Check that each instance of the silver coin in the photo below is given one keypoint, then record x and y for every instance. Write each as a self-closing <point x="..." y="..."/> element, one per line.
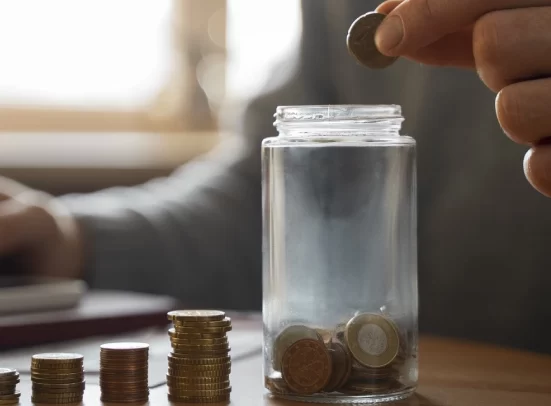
<point x="361" y="42"/>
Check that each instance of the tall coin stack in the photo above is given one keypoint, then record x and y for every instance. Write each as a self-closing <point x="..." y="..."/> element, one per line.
<point x="124" y="372"/>
<point x="199" y="365"/>
<point x="9" y="378"/>
<point x="57" y="378"/>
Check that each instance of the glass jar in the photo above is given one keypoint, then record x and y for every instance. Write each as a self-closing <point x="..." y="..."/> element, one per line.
<point x="340" y="300"/>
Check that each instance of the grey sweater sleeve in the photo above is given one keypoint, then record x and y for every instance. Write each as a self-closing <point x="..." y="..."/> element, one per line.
<point x="197" y="234"/>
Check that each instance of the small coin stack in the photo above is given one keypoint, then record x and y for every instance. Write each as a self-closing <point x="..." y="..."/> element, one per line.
<point x="9" y="378"/>
<point x="124" y="372"/>
<point x="57" y="378"/>
<point x="199" y="365"/>
<point x="360" y="357"/>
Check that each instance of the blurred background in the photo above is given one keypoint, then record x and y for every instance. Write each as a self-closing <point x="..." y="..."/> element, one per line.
<point x="98" y="93"/>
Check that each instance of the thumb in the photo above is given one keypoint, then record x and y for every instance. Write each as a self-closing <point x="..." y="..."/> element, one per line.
<point x="388" y="6"/>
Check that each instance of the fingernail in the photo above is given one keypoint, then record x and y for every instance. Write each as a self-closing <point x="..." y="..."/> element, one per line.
<point x="390" y="34"/>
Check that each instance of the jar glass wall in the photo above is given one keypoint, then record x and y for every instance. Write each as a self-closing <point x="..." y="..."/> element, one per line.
<point x="340" y="299"/>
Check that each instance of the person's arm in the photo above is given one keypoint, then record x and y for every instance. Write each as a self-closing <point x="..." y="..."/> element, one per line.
<point x="195" y="235"/>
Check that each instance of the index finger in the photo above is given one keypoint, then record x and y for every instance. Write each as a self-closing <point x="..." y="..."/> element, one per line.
<point x="415" y="24"/>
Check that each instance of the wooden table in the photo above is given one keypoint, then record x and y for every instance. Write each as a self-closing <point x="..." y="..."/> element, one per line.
<point x="452" y="373"/>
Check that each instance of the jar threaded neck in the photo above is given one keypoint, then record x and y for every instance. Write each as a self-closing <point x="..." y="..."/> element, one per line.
<point x="331" y="119"/>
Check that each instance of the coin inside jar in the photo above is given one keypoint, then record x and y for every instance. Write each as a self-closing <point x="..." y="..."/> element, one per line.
<point x="306" y="366"/>
<point x="289" y="336"/>
<point x="341" y="367"/>
<point x="372" y="340"/>
<point x="361" y="42"/>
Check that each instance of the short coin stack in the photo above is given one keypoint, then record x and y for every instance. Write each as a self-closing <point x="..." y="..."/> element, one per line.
<point x="57" y="378"/>
<point x="199" y="364"/>
<point x="9" y="378"/>
<point x="124" y="372"/>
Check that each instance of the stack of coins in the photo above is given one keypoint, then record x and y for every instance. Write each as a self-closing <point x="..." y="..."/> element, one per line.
<point x="9" y="378"/>
<point x="124" y="372"/>
<point x="57" y="378"/>
<point x="360" y="357"/>
<point x="199" y="364"/>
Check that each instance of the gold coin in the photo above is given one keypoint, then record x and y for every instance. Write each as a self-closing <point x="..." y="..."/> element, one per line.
<point x="56" y="396"/>
<point x="193" y="336"/>
<point x="196" y="380"/>
<point x="128" y="373"/>
<point x="55" y="391"/>
<point x="10" y="383"/>
<point x="226" y="322"/>
<point x="124" y="397"/>
<point x="11" y="396"/>
<point x="201" y="361"/>
<point x="54" y="376"/>
<point x="306" y="366"/>
<point x="106" y="399"/>
<point x="57" y="381"/>
<point x="38" y="385"/>
<point x="198" y="399"/>
<point x="8" y="373"/>
<point x="372" y="340"/>
<point x="202" y="393"/>
<point x="196" y="315"/>
<point x="199" y="341"/>
<point x="341" y="367"/>
<point x="181" y="353"/>
<point x="217" y="367"/>
<point x="9" y="402"/>
<point x="361" y="41"/>
<point x="59" y="360"/>
<point x="57" y="371"/>
<point x="123" y="347"/>
<point x="288" y="337"/>
<point x="199" y="347"/>
<point x="199" y="387"/>
<point x="202" y="330"/>
<point x="182" y="373"/>
<point x="124" y="360"/>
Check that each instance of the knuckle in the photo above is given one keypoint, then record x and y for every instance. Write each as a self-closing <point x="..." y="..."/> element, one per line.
<point x="490" y="35"/>
<point x="509" y="113"/>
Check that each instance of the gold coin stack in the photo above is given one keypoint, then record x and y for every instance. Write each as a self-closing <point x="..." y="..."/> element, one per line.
<point x="9" y="378"/>
<point x="360" y="357"/>
<point x="199" y="365"/>
<point x="57" y="378"/>
<point x="124" y="372"/>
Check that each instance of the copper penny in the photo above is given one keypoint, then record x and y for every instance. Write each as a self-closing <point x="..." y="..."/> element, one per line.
<point x="306" y="366"/>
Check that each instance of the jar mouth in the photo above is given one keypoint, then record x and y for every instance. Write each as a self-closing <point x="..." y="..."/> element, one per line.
<point x="342" y="112"/>
<point x="346" y="117"/>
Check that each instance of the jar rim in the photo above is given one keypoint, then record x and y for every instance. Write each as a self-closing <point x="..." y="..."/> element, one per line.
<point x="337" y="113"/>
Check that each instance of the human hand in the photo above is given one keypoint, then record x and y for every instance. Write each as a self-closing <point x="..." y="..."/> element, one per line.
<point x="38" y="232"/>
<point x="508" y="42"/>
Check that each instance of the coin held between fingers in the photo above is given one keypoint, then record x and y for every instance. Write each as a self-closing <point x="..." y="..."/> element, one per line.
<point x="361" y="41"/>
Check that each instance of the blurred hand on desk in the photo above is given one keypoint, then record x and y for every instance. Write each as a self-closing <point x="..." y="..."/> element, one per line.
<point x="38" y="232"/>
